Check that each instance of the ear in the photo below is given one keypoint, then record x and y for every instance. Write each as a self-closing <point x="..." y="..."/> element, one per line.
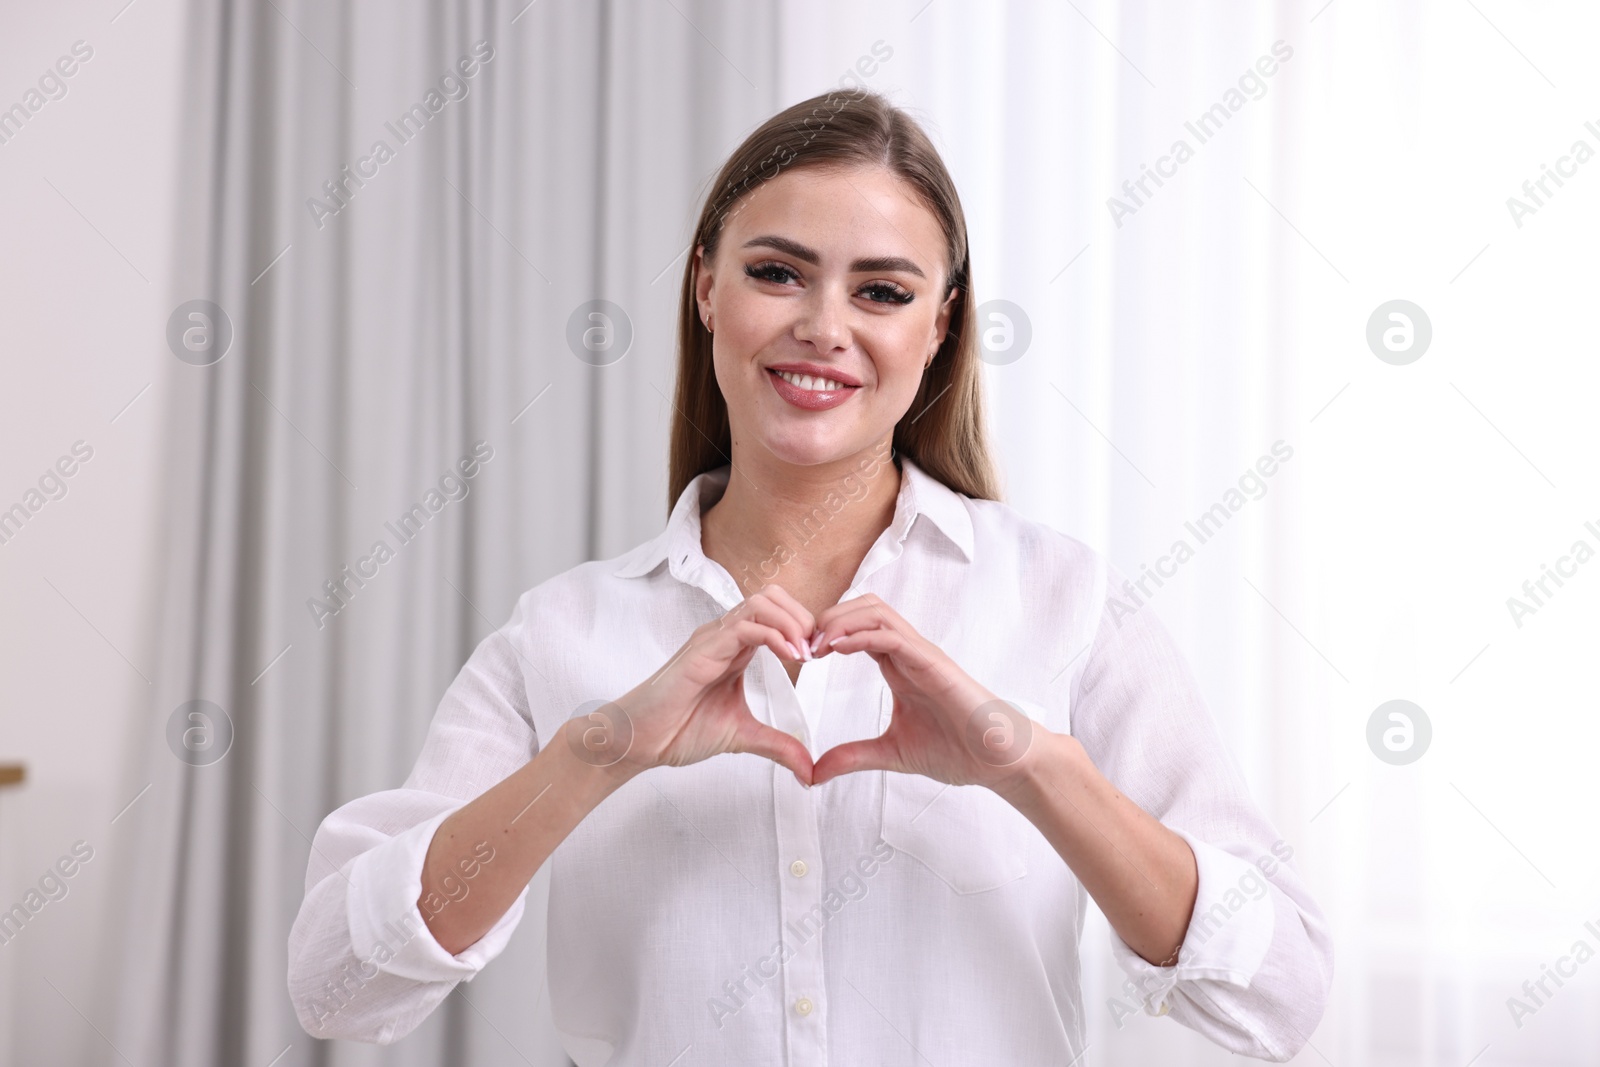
<point x="702" y="285"/>
<point x="941" y="324"/>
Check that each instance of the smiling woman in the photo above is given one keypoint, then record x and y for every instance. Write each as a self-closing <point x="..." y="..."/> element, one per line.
<point x="916" y="686"/>
<point x="851" y="170"/>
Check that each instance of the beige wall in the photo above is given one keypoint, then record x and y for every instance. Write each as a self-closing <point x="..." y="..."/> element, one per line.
<point x="82" y="334"/>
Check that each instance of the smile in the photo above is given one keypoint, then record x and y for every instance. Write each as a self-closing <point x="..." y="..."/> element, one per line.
<point x="806" y="381"/>
<point x="809" y="391"/>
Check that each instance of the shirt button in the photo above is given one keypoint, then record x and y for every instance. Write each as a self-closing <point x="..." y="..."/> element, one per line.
<point x="803" y="1005"/>
<point x="798" y="868"/>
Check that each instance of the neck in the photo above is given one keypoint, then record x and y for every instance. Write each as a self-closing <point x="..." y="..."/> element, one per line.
<point x="800" y="526"/>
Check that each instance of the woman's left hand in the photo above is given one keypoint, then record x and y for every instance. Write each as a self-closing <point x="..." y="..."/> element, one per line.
<point x="944" y="725"/>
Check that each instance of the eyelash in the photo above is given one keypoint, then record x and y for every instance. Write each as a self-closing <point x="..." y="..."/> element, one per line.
<point x="895" y="293"/>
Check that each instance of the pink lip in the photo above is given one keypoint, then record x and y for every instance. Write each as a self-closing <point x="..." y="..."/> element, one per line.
<point x="809" y="399"/>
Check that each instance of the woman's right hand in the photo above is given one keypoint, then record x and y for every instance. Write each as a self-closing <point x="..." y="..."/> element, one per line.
<point x="694" y="707"/>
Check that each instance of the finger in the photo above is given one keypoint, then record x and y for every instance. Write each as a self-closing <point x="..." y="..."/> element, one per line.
<point x="770" y="612"/>
<point x="862" y="617"/>
<point x="728" y="641"/>
<point x="737" y="665"/>
<point x="870" y="640"/>
<point x="781" y="748"/>
<point x="832" y="624"/>
<point x="873" y="754"/>
<point x="855" y="603"/>
<point x="881" y="642"/>
<point x="803" y="617"/>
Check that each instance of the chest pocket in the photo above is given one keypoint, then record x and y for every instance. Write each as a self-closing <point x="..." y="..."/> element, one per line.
<point x="965" y="834"/>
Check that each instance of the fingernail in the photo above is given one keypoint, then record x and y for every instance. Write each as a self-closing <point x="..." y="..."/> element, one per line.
<point x="814" y="641"/>
<point x="794" y="653"/>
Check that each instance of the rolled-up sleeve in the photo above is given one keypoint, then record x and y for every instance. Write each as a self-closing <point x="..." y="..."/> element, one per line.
<point x="1256" y="964"/>
<point x="362" y="963"/>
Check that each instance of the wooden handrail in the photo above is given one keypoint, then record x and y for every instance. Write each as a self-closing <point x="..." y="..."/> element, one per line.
<point x="12" y="774"/>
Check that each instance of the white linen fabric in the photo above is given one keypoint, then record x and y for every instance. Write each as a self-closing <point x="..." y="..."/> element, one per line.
<point x="725" y="914"/>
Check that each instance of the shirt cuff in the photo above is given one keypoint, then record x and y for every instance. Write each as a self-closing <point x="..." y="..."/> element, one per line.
<point x="386" y="926"/>
<point x="1229" y="932"/>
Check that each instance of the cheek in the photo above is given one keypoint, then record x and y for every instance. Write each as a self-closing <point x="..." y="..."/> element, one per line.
<point x="732" y="353"/>
<point x="739" y="321"/>
<point x="898" y="356"/>
<point x="747" y="322"/>
<point x="726" y="381"/>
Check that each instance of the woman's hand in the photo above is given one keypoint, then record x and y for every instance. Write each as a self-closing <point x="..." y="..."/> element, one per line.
<point x="694" y="707"/>
<point x="944" y="725"/>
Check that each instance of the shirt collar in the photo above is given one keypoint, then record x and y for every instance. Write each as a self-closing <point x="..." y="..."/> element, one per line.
<point x="679" y="542"/>
<point x="923" y="494"/>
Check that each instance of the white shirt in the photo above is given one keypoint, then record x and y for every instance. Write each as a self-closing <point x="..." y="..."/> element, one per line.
<point x="725" y="914"/>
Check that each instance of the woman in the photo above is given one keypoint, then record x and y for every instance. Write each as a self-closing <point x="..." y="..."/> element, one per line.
<point x="935" y="735"/>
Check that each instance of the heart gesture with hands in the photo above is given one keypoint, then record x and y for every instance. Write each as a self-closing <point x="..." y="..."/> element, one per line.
<point x="694" y="707"/>
<point x="944" y="724"/>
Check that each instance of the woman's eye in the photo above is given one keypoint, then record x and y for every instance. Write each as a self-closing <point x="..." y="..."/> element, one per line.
<point x="771" y="272"/>
<point x="890" y="293"/>
<point x="876" y="292"/>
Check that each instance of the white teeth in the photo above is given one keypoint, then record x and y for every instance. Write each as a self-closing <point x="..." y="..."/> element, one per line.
<point x="809" y="383"/>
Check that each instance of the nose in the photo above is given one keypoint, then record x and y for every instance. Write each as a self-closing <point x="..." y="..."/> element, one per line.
<point x="824" y="320"/>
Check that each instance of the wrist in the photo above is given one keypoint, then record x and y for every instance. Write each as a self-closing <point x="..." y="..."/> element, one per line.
<point x="593" y="758"/>
<point x="1050" y="758"/>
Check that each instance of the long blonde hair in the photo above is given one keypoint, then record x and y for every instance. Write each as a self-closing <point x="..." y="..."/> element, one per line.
<point x="846" y="127"/>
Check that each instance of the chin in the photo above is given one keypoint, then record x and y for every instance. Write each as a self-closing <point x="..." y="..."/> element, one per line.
<point x="807" y="449"/>
<point x="803" y="455"/>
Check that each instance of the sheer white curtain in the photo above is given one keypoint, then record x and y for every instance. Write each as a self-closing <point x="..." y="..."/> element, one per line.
<point x="1173" y="342"/>
<point x="1366" y="154"/>
<point x="1162" y="364"/>
<point x="1433" y="491"/>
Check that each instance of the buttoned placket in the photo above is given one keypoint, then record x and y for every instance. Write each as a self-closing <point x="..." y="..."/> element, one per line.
<point x="801" y="876"/>
<point x="797" y="710"/>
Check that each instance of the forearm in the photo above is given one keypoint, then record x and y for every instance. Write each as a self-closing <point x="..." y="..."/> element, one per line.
<point x="1143" y="876"/>
<point x="484" y="854"/>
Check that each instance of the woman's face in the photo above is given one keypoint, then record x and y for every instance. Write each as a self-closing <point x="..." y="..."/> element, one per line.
<point x="831" y="274"/>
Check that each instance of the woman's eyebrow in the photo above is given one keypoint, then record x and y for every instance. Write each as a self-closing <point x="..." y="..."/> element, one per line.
<point x="860" y="266"/>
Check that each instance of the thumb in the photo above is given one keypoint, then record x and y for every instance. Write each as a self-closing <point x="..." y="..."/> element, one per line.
<point x="779" y="747"/>
<point x="872" y="754"/>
